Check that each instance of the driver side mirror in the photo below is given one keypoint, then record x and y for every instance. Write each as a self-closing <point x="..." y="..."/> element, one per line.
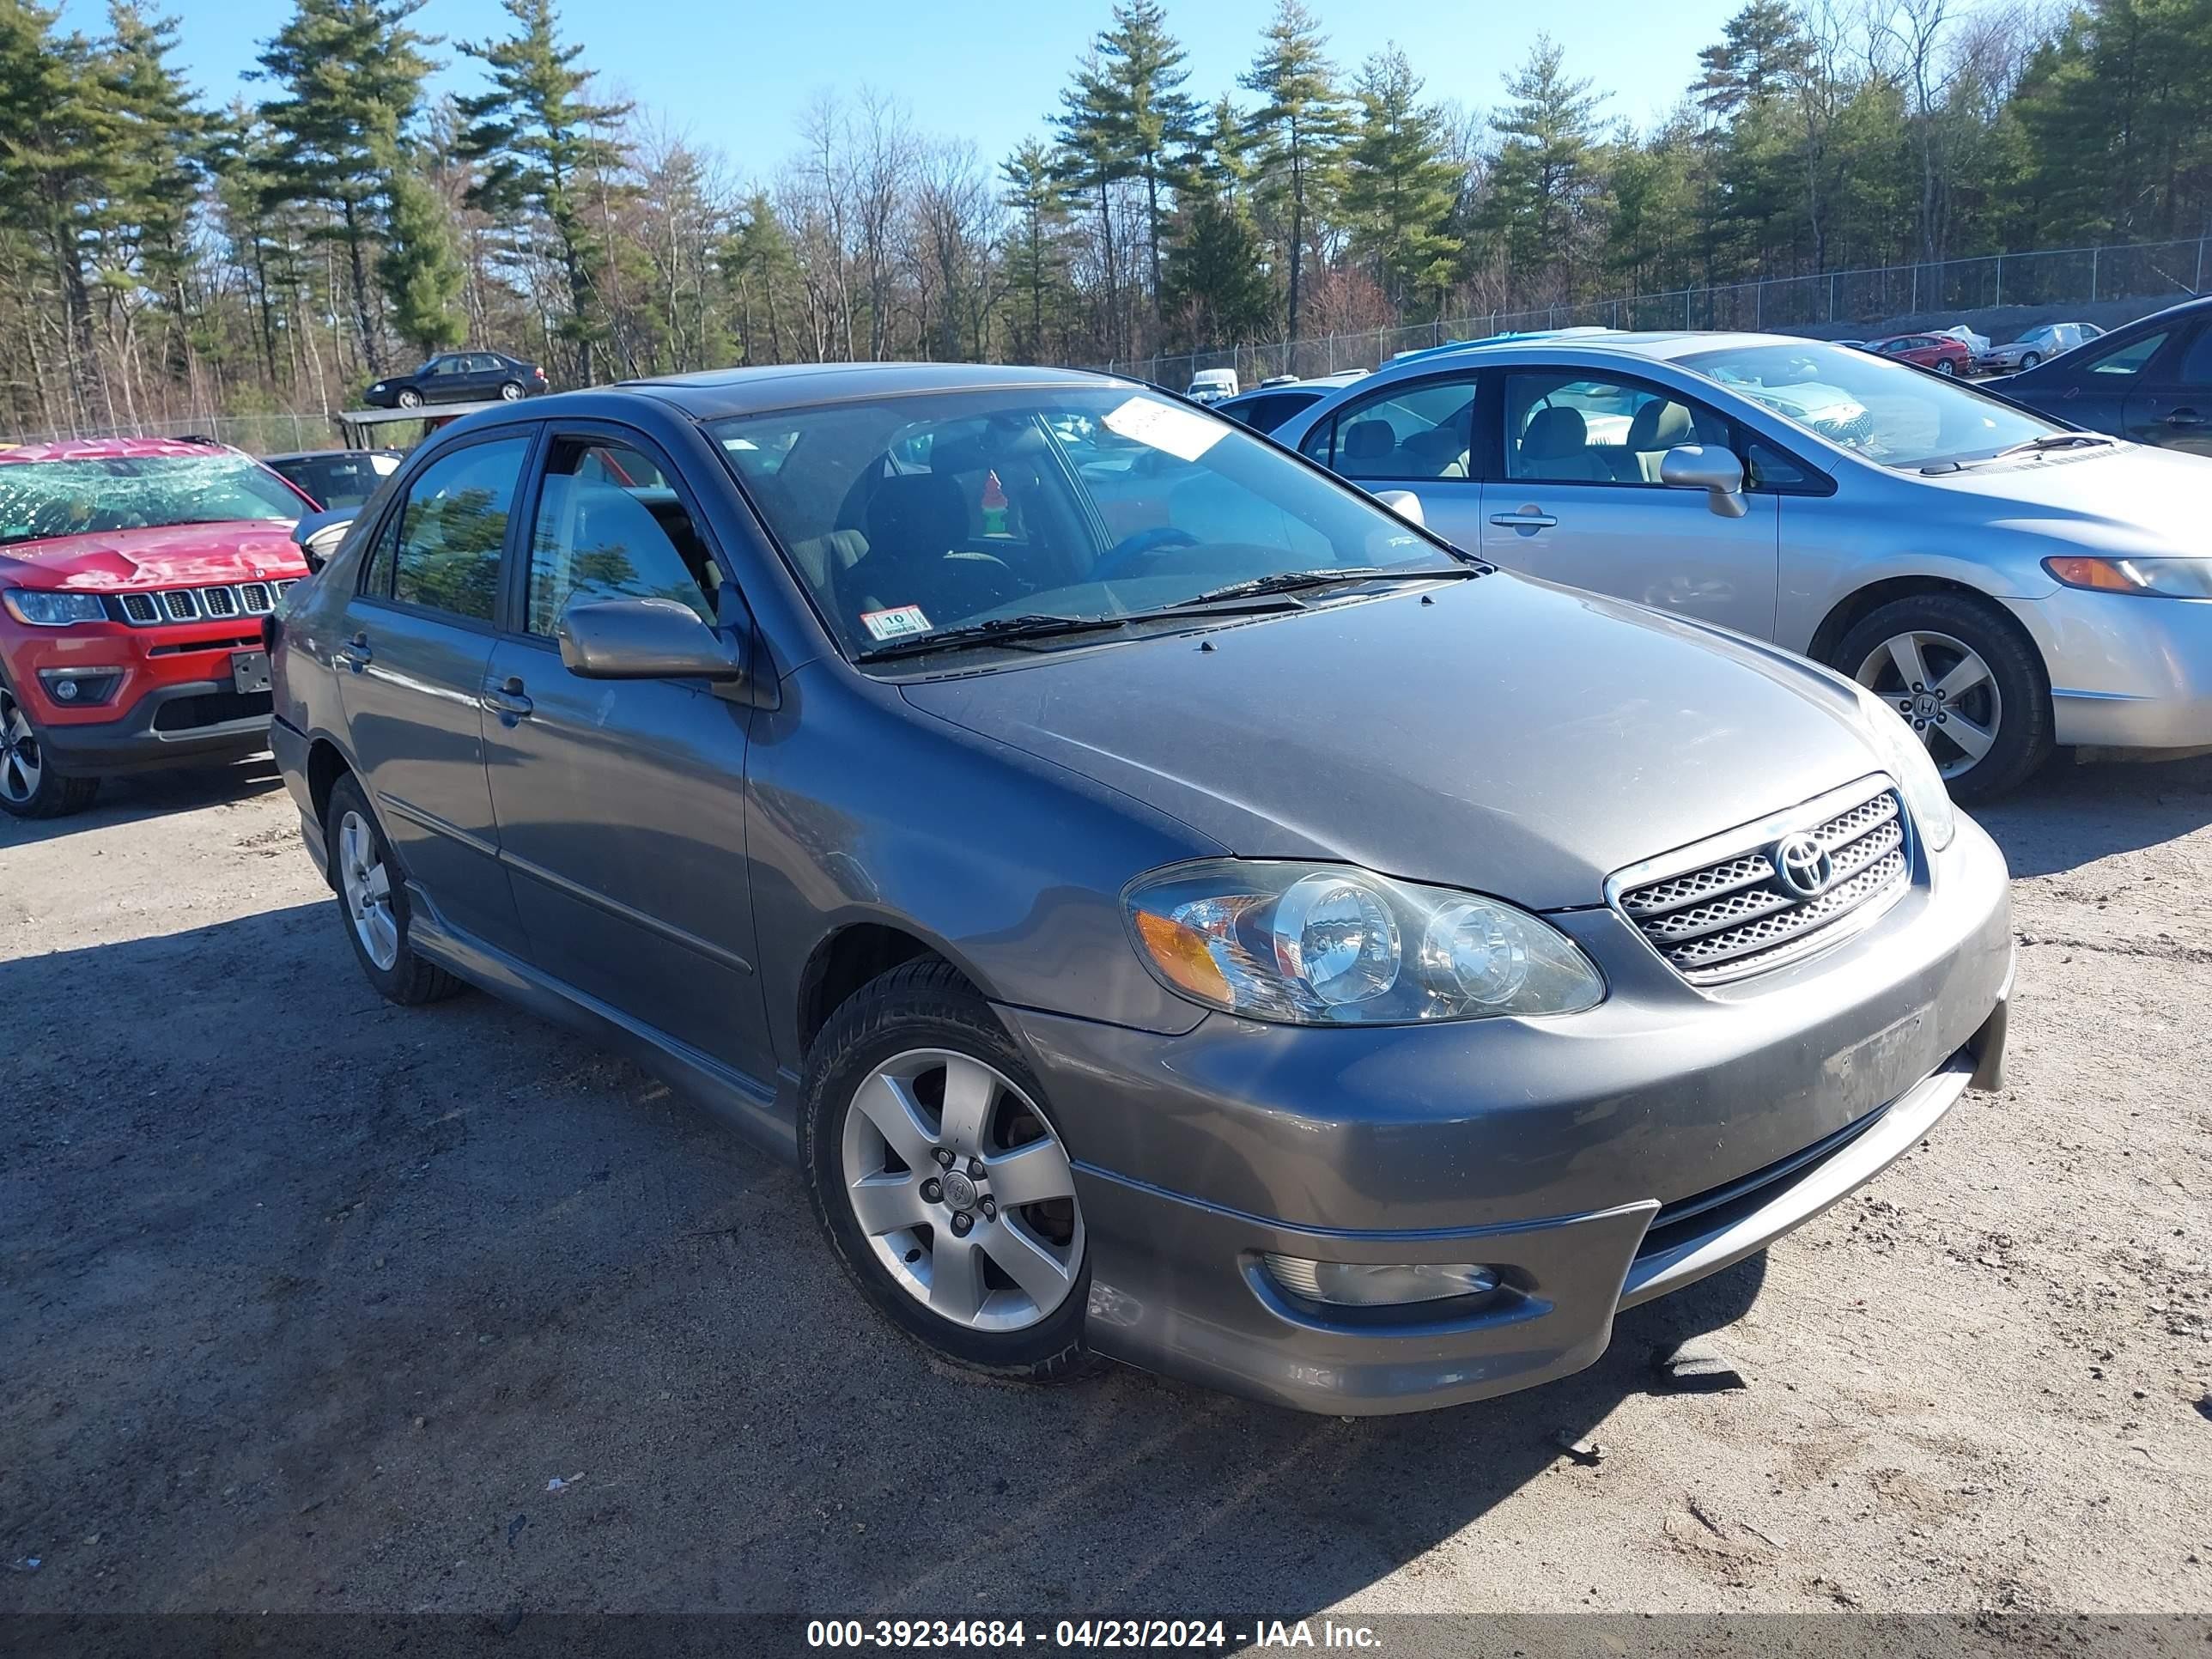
<point x="1709" y="468"/>
<point x="1405" y="503"/>
<point x="318" y="535"/>
<point x="646" y="639"/>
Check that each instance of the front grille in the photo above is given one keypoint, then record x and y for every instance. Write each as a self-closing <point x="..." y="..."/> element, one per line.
<point x="1733" y="915"/>
<point x="211" y="709"/>
<point x="254" y="598"/>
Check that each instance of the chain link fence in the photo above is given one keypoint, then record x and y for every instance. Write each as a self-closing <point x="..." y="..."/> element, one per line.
<point x="1879" y="300"/>
<point x="258" y="434"/>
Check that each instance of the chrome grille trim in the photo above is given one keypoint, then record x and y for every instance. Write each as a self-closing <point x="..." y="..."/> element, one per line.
<point x="142" y="608"/>
<point x="1716" y="911"/>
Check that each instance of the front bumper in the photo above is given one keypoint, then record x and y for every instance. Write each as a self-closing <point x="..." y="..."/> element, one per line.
<point x="2126" y="671"/>
<point x="183" y="724"/>
<point x="1593" y="1162"/>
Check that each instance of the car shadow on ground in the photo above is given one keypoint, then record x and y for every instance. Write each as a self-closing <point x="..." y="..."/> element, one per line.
<point x="151" y="794"/>
<point x="331" y="1305"/>
<point x="2069" y="815"/>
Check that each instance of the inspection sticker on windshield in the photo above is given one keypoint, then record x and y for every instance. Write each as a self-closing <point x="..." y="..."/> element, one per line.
<point x="896" y="624"/>
<point x="1182" y="433"/>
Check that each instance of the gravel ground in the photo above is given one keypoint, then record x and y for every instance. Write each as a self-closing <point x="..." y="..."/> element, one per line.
<point x="309" y="1301"/>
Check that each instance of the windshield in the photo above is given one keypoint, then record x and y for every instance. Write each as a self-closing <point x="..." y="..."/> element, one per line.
<point x="1885" y="411"/>
<point x="38" y="499"/>
<point x="913" y="515"/>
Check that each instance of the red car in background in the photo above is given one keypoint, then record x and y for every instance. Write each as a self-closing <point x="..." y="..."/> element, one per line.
<point x="135" y="573"/>
<point x="1944" y="353"/>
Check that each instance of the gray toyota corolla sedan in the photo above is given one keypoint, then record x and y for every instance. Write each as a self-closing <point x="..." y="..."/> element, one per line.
<point x="1170" y="907"/>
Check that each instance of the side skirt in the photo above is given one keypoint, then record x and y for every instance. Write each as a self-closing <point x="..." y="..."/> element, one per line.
<point x="733" y="1096"/>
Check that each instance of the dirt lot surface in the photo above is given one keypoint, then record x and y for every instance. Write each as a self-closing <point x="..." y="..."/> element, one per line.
<point x="309" y="1301"/>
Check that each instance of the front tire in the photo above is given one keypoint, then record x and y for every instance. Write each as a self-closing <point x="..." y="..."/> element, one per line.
<point x="1966" y="678"/>
<point x="408" y="397"/>
<point x="939" y="1181"/>
<point x="2028" y="362"/>
<point x="372" y="903"/>
<point x="30" y="786"/>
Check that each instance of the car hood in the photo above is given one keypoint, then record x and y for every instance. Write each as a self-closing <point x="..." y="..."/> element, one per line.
<point x="2125" y="496"/>
<point x="1500" y="734"/>
<point x="175" y="555"/>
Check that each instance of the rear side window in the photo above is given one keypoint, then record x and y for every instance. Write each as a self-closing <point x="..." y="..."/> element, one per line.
<point x="441" y="549"/>
<point x="2129" y="358"/>
<point x="2197" y="367"/>
<point x="1417" y="433"/>
<point x="609" y="526"/>
<point x="1575" y="427"/>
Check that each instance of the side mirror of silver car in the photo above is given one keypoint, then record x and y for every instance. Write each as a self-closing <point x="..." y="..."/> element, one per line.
<point x="1709" y="468"/>
<point x="1405" y="503"/>
<point x="318" y="535"/>
<point x="646" y="639"/>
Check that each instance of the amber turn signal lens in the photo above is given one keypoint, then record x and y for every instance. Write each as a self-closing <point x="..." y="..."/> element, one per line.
<point x="1182" y="955"/>
<point x="2110" y="574"/>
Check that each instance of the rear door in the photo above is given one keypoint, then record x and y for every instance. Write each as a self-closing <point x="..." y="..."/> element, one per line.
<point x="416" y="642"/>
<point x="1412" y="434"/>
<point x="2170" y="401"/>
<point x="1575" y="496"/>
<point x="621" y="802"/>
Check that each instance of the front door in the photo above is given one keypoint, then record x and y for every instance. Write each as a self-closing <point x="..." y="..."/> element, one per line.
<point x="411" y="658"/>
<point x="2170" y="404"/>
<point x="1575" y="497"/>
<point x="621" y="802"/>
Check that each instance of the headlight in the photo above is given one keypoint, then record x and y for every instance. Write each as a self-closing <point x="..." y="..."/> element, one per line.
<point x="2172" y="579"/>
<point x="1905" y="758"/>
<point x="1332" y="944"/>
<point x="54" y="610"/>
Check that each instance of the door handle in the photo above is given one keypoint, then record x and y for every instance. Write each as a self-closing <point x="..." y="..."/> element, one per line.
<point x="506" y="699"/>
<point x="2184" y="417"/>
<point x="355" y="652"/>
<point x="1529" y="517"/>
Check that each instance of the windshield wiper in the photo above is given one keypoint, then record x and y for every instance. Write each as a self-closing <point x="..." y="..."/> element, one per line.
<point x="2052" y="441"/>
<point x="1003" y="630"/>
<point x="1294" y="581"/>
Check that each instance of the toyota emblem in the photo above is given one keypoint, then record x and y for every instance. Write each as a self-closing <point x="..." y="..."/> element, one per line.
<point x="1803" y="866"/>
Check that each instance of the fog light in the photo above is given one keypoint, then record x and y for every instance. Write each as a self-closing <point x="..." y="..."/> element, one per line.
<point x="75" y="685"/>
<point x="65" y="691"/>
<point x="1374" y="1284"/>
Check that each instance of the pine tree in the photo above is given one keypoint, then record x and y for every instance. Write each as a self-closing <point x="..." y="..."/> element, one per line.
<point x="1036" y="252"/>
<point x="420" y="269"/>
<point x="1400" y="184"/>
<point x="1094" y="156"/>
<point x="1156" y="118"/>
<point x="163" y="144"/>
<point x="1300" y="124"/>
<point x="350" y="74"/>
<point x="1546" y="167"/>
<point x="543" y="151"/>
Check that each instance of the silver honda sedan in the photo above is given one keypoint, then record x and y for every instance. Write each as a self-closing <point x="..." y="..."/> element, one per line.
<point x="2006" y="584"/>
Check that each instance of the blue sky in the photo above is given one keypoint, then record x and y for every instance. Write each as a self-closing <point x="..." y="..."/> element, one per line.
<point x="733" y="75"/>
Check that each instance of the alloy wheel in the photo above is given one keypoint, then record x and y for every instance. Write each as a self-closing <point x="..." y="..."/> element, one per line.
<point x="510" y="392"/>
<point x="366" y="885"/>
<point x="1941" y="687"/>
<point x="963" y="1190"/>
<point x="2029" y="362"/>
<point x="22" y="764"/>
<point x="409" y="398"/>
<point x="1945" y="366"/>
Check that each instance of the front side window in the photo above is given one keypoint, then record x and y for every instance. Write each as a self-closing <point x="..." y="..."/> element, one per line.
<point x="2196" y="366"/>
<point x="2129" y="358"/>
<point x="610" y="527"/>
<point x="1886" y="411"/>
<point x="1572" y="425"/>
<point x="448" y="532"/>
<point x="909" y="515"/>
<point x="1415" y="432"/>
<point x="38" y="499"/>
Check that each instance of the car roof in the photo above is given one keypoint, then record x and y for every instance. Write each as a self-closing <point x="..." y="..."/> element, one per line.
<point x="719" y="393"/>
<point x="1660" y="345"/>
<point x="112" y="449"/>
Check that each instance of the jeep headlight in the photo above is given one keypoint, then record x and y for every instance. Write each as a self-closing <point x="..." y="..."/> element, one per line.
<point x="1333" y="944"/>
<point x="1906" y="759"/>
<point x="43" y="609"/>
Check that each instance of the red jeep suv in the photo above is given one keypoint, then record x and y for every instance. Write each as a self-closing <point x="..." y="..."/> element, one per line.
<point x="134" y="576"/>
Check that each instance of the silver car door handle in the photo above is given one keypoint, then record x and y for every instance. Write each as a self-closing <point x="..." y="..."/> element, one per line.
<point x="505" y="699"/>
<point x="1528" y="518"/>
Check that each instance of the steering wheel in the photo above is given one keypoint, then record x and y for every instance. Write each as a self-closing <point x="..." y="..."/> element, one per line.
<point x="1122" y="558"/>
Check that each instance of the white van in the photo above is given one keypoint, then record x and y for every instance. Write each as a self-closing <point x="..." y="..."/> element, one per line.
<point x="1210" y="385"/>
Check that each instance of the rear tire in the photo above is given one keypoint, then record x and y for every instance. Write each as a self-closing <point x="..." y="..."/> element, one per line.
<point x="1978" y="669"/>
<point x="510" y="392"/>
<point x="30" y="785"/>
<point x="916" y="1024"/>
<point x="1946" y="367"/>
<point x="372" y="894"/>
